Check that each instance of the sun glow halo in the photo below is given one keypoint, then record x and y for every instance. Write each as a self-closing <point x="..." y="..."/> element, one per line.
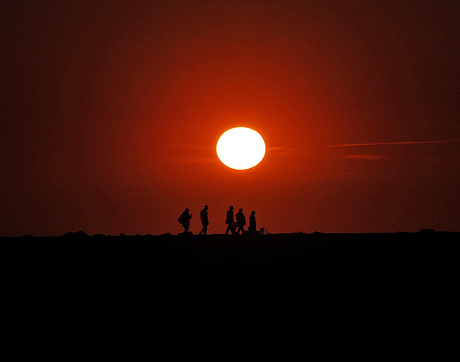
<point x="240" y="148"/>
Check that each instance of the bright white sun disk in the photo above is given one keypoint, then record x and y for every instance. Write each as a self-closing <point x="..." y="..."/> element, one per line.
<point x="240" y="148"/>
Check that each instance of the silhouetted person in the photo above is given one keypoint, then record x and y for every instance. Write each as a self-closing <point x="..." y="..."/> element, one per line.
<point x="230" y="221"/>
<point x="252" y="222"/>
<point x="204" y="220"/>
<point x="184" y="219"/>
<point x="240" y="221"/>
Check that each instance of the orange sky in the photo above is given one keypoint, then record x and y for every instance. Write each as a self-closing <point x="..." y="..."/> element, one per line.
<point x="112" y="111"/>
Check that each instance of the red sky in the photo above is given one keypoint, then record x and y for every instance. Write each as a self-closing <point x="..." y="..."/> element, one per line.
<point x="111" y="112"/>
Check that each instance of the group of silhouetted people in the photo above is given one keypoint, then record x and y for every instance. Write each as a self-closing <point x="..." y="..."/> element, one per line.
<point x="235" y="227"/>
<point x="238" y="226"/>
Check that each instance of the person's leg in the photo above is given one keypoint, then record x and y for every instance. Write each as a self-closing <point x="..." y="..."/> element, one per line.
<point x="204" y="229"/>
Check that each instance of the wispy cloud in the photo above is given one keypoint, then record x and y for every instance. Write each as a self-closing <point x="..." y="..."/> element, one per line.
<point x="281" y="149"/>
<point x="180" y="147"/>
<point x="365" y="157"/>
<point x="391" y="143"/>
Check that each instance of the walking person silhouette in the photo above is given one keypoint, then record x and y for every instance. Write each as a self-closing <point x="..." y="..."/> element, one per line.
<point x="252" y="222"/>
<point x="240" y="221"/>
<point x="230" y="221"/>
<point x="204" y="220"/>
<point x="184" y="219"/>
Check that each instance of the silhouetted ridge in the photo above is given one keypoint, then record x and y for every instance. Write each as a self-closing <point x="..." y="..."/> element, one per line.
<point x="377" y="276"/>
<point x="78" y="234"/>
<point x="250" y="262"/>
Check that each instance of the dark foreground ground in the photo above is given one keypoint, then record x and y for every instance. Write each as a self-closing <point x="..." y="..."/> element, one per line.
<point x="274" y="263"/>
<point x="404" y="281"/>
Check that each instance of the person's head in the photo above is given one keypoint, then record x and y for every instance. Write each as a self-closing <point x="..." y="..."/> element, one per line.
<point x="240" y="210"/>
<point x="253" y="212"/>
<point x="205" y="207"/>
<point x="231" y="207"/>
<point x="187" y="210"/>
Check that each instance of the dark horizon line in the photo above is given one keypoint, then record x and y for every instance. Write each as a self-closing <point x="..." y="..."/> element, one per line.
<point x="81" y="233"/>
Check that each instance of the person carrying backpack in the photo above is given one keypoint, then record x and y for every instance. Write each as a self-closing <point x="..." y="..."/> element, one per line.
<point x="184" y="219"/>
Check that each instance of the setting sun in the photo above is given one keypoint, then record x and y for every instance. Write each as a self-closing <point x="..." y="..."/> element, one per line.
<point x="240" y="148"/>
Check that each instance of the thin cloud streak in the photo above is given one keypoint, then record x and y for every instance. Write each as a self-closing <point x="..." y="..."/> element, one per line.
<point x="392" y="143"/>
<point x="281" y="149"/>
<point x="183" y="147"/>
<point x="365" y="157"/>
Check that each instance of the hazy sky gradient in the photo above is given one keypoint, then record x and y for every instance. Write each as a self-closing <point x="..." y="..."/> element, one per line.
<point x="111" y="111"/>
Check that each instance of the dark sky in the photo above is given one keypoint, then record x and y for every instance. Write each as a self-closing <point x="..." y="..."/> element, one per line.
<point x="111" y="111"/>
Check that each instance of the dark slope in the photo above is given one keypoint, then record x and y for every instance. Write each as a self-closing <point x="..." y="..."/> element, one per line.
<point x="357" y="295"/>
<point x="250" y="263"/>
